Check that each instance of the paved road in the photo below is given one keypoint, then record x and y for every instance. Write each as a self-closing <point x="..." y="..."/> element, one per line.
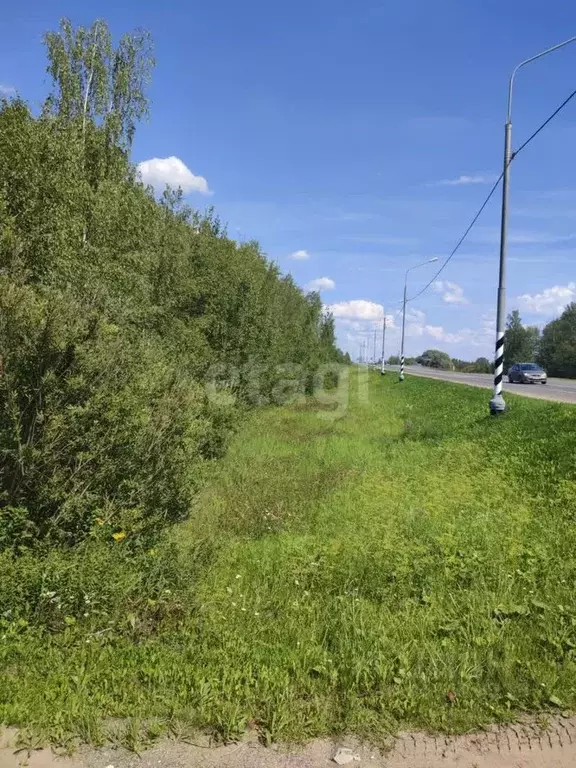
<point x="562" y="390"/>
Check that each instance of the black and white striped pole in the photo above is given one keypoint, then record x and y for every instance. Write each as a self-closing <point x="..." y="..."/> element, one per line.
<point x="405" y="301"/>
<point x="497" y="403"/>
<point x="401" y="377"/>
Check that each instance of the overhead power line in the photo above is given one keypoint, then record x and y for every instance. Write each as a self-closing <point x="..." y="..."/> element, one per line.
<point x="489" y="196"/>
<point x="544" y="124"/>
<point x="459" y="243"/>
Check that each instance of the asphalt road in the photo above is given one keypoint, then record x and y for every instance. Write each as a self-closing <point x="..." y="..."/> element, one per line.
<point x="561" y="390"/>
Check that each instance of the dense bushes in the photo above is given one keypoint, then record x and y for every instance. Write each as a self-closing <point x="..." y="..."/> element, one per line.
<point x="115" y="308"/>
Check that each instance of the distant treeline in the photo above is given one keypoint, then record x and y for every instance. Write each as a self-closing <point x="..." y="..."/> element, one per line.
<point x="115" y="308"/>
<point x="435" y="358"/>
<point x="554" y="348"/>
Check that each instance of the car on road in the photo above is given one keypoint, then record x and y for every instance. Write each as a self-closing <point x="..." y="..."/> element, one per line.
<point x="527" y="373"/>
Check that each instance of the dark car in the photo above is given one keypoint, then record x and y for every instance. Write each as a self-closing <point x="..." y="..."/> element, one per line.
<point x="527" y="373"/>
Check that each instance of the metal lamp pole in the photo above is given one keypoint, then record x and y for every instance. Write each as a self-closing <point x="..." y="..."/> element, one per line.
<point x="401" y="377"/>
<point x="497" y="404"/>
<point x="383" y="365"/>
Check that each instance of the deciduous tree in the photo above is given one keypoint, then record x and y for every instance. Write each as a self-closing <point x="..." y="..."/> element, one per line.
<point x="558" y="345"/>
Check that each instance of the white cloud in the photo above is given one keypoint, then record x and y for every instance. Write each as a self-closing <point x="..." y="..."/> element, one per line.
<point x="7" y="90"/>
<point x="357" y="309"/>
<point x="415" y="315"/>
<point x="414" y="329"/>
<point x="466" y="342"/>
<point x="477" y="178"/>
<point x="417" y="327"/>
<point x="436" y="331"/>
<point x="353" y="325"/>
<point x="451" y="292"/>
<point x="300" y="255"/>
<point x="474" y="337"/>
<point x="467" y="335"/>
<point x="159" y="171"/>
<point x="489" y="323"/>
<point x="321" y="284"/>
<point x="357" y="320"/>
<point x="550" y="301"/>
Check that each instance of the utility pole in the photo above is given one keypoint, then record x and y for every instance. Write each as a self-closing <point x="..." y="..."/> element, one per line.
<point x="374" y="349"/>
<point x="383" y="365"/>
<point x="429" y="261"/>
<point x="401" y="377"/>
<point x="497" y="403"/>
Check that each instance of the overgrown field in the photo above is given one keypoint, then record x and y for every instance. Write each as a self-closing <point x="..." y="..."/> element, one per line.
<point x="411" y="564"/>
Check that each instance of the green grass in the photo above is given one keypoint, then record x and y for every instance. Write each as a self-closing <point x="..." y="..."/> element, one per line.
<point x="411" y="565"/>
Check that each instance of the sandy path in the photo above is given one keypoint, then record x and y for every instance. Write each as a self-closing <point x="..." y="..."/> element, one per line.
<point x="520" y="746"/>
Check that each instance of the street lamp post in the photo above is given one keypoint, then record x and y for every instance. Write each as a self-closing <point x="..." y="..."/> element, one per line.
<point x="383" y="365"/>
<point x="401" y="377"/>
<point x="497" y="404"/>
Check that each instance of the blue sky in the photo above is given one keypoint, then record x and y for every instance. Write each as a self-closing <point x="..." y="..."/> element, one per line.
<point x="364" y="134"/>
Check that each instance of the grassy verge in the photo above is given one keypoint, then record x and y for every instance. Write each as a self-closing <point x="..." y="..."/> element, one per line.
<point x="409" y="565"/>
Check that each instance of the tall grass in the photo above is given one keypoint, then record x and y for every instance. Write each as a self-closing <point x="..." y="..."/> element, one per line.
<point x="409" y="565"/>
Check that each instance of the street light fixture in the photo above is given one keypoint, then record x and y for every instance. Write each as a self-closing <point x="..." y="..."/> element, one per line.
<point x="497" y="404"/>
<point x="429" y="261"/>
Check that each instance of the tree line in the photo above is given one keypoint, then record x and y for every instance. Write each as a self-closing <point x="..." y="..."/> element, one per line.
<point x="554" y="348"/>
<point x="436" y="358"/>
<point x="116" y="307"/>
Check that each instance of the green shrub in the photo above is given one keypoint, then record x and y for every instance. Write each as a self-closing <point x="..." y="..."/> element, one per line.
<point x="114" y="308"/>
<point x="96" y="424"/>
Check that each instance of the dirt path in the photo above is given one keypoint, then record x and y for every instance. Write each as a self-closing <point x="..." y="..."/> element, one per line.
<point x="520" y="746"/>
